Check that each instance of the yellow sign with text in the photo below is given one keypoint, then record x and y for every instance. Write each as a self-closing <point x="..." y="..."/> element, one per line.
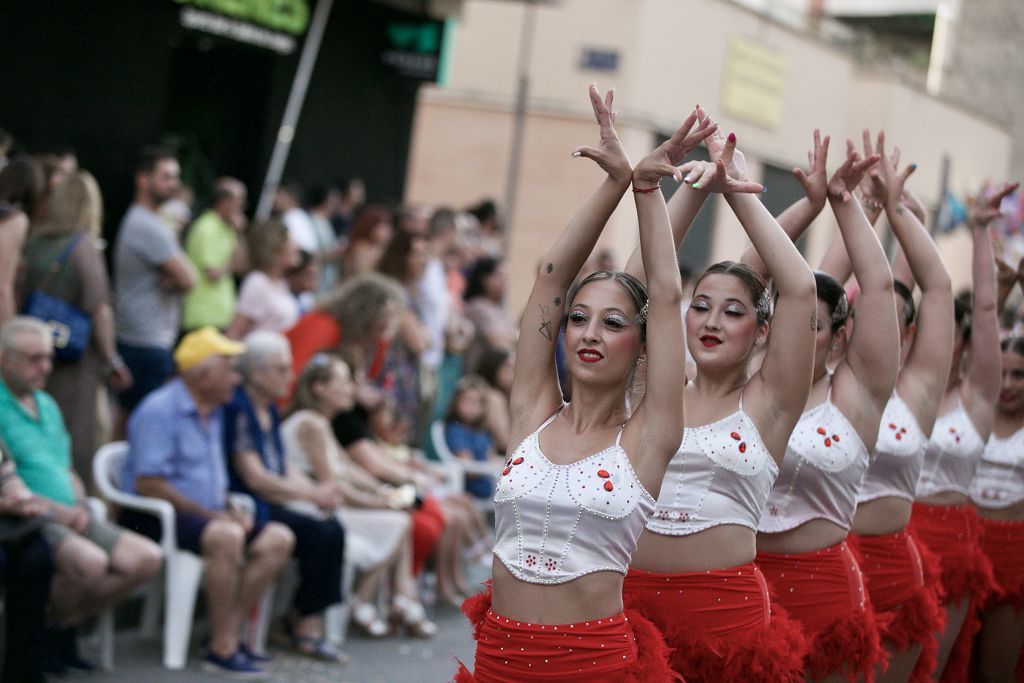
<point x="753" y="83"/>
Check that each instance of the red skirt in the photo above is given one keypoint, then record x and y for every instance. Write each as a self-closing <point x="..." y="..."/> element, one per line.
<point x="720" y="623"/>
<point x="824" y="591"/>
<point x="902" y="579"/>
<point x="624" y="648"/>
<point x="953" y="533"/>
<point x="1002" y="542"/>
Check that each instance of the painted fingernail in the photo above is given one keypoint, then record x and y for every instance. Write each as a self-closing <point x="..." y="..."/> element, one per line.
<point x="687" y="179"/>
<point x="576" y="154"/>
<point x="764" y="188"/>
<point x="913" y="167"/>
<point x="732" y="137"/>
<point x="696" y="186"/>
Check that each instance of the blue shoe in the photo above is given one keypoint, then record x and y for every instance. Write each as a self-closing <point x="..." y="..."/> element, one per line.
<point x="252" y="656"/>
<point x="235" y="666"/>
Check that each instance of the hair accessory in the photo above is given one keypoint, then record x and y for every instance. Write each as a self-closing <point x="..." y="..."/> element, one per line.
<point x="643" y="312"/>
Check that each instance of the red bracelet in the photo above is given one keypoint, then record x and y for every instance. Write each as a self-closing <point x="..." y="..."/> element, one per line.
<point x="648" y="190"/>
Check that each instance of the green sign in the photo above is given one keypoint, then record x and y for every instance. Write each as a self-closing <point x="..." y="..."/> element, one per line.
<point x="290" y="16"/>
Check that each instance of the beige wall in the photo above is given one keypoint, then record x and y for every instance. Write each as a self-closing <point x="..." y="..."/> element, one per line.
<point x="671" y="56"/>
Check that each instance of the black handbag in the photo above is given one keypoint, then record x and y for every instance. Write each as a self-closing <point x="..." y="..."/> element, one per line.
<point x="71" y="326"/>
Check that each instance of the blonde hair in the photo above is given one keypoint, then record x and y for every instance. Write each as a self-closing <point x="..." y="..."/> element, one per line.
<point x="359" y="302"/>
<point x="75" y="205"/>
<point x="317" y="371"/>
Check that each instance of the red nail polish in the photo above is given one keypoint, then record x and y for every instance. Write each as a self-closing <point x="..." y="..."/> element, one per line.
<point x="732" y="137"/>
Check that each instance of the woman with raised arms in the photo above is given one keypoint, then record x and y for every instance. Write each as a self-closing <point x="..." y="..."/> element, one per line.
<point x="575" y="493"/>
<point x="899" y="572"/>
<point x="941" y="517"/>
<point x="801" y="537"/>
<point x="693" y="573"/>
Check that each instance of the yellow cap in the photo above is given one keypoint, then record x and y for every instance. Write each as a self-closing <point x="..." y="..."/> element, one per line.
<point x="197" y="346"/>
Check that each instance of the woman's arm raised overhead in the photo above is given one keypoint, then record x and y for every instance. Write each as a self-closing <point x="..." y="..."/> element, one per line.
<point x="982" y="382"/>
<point x="798" y="217"/>
<point x="784" y="378"/>
<point x="873" y="353"/>
<point x="923" y="377"/>
<point x="535" y="393"/>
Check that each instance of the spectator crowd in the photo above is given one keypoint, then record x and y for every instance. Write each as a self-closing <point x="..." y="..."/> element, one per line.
<point x="344" y="365"/>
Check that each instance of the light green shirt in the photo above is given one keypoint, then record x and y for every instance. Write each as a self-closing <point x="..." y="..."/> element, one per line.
<point x="210" y="244"/>
<point x="40" y="446"/>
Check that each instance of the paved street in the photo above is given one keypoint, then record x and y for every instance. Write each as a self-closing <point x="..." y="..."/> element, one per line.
<point x="392" y="660"/>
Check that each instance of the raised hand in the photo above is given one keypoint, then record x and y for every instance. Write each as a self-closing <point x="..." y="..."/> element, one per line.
<point x="608" y="154"/>
<point x="848" y="176"/>
<point x="815" y="179"/>
<point x="661" y="162"/>
<point x="872" y="185"/>
<point x="714" y="176"/>
<point x="718" y="144"/>
<point x="891" y="180"/>
<point x="983" y="211"/>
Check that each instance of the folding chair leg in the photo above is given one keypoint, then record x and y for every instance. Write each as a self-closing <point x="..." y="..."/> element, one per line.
<point x="184" y="574"/>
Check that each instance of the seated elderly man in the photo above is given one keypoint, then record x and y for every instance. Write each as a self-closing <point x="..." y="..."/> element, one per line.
<point x="252" y="438"/>
<point x="97" y="562"/>
<point x="176" y="453"/>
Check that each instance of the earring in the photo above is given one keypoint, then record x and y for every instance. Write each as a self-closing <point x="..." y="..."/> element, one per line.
<point x="641" y="360"/>
<point x="835" y="347"/>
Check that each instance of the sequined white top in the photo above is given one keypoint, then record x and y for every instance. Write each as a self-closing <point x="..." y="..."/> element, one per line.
<point x="821" y="473"/>
<point x="899" y="453"/>
<point x="952" y="455"/>
<point x="999" y="480"/>
<point x="721" y="474"/>
<point x="555" y="523"/>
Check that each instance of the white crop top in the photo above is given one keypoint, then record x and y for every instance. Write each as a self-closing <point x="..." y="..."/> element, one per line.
<point x="952" y="454"/>
<point x="899" y="452"/>
<point x="821" y="473"/>
<point x="999" y="480"/>
<point x="721" y="474"/>
<point x="555" y="523"/>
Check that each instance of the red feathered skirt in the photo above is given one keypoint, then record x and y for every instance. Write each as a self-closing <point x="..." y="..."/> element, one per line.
<point x="720" y="623"/>
<point x="953" y="533"/>
<point x="1002" y="542"/>
<point x="624" y="648"/>
<point x="902" y="579"/>
<point x="824" y="591"/>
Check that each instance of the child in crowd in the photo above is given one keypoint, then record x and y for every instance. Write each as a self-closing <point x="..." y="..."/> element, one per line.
<point x="465" y="432"/>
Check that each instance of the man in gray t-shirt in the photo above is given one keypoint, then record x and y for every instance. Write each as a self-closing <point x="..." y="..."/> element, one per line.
<point x="151" y="273"/>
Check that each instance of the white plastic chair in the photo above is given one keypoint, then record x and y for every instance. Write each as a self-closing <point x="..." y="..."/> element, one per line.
<point x="460" y="467"/>
<point x="183" y="570"/>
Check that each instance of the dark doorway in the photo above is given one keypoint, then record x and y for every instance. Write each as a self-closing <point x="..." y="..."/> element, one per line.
<point x="217" y="98"/>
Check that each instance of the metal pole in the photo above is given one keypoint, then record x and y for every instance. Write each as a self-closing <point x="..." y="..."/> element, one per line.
<point x="286" y="133"/>
<point x="515" y="157"/>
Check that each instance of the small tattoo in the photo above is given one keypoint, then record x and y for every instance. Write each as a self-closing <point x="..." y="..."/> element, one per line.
<point x="899" y="209"/>
<point x="558" y="301"/>
<point x="545" y="323"/>
<point x="550" y="267"/>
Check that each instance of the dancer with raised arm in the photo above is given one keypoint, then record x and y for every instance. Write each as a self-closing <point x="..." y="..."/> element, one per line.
<point x="801" y="538"/>
<point x="941" y="517"/>
<point x="575" y="494"/>
<point x="998" y="493"/>
<point x="693" y="574"/>
<point x="899" y="572"/>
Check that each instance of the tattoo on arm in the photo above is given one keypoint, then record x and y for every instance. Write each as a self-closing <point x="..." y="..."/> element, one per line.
<point x="550" y="268"/>
<point x="545" y="320"/>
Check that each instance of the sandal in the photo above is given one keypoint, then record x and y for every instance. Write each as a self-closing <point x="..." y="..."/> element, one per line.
<point x="409" y="613"/>
<point x="318" y="648"/>
<point x="364" y="615"/>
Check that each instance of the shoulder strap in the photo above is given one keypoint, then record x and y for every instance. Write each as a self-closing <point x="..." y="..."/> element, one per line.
<point x="58" y="264"/>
